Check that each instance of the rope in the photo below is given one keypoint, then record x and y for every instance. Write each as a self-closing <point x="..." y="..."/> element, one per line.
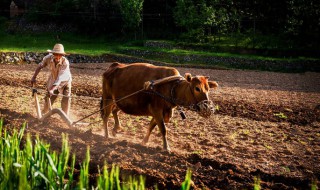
<point x="38" y="91"/>
<point x="42" y="91"/>
<point x="147" y="85"/>
<point x="108" y="105"/>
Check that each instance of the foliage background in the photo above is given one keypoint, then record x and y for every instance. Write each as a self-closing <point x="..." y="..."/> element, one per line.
<point x="271" y="24"/>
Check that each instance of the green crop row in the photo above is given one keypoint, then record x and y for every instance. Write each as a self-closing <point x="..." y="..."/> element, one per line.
<point x="28" y="163"/>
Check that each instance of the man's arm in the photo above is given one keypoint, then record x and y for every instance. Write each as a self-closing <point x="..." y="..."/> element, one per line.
<point x="36" y="72"/>
<point x="41" y="65"/>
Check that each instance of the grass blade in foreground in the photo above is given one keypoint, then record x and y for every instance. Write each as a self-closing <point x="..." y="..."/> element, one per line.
<point x="187" y="182"/>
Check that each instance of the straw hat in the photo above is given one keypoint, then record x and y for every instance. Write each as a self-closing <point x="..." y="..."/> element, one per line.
<point x="58" y="49"/>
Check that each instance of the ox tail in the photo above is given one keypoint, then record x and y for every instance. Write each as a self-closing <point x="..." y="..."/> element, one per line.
<point x="101" y="108"/>
<point x="105" y="87"/>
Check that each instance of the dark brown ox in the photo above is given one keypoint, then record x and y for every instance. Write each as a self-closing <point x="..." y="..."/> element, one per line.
<point x="124" y="88"/>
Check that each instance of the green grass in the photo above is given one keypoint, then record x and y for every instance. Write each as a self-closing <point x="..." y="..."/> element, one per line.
<point x="256" y="185"/>
<point x="187" y="182"/>
<point x="42" y="42"/>
<point x="34" y="166"/>
<point x="180" y="53"/>
<point x="280" y="115"/>
<point x="98" y="45"/>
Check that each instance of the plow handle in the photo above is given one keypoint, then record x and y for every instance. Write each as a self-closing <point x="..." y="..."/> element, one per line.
<point x="34" y="91"/>
<point x="36" y="101"/>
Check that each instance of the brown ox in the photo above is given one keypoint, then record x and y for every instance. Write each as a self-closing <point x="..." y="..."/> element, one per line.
<point x="124" y="88"/>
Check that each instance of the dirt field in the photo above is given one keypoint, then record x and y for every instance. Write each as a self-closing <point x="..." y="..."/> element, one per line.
<point x="267" y="126"/>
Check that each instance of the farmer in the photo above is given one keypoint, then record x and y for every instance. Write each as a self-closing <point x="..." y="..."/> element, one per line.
<point x="59" y="79"/>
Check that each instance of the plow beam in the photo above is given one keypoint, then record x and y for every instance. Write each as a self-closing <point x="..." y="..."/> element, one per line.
<point x="60" y="112"/>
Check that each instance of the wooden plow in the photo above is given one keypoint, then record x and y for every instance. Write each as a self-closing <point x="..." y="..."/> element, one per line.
<point x="58" y="111"/>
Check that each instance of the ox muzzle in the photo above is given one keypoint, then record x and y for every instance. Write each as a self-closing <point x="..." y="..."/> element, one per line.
<point x="204" y="108"/>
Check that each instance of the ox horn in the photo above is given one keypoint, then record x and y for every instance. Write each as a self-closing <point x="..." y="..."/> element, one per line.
<point x="188" y="77"/>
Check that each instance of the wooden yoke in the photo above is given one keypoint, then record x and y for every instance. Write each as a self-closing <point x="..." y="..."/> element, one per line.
<point x="149" y="84"/>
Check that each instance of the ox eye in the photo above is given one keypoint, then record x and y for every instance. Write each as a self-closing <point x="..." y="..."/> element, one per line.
<point x="197" y="89"/>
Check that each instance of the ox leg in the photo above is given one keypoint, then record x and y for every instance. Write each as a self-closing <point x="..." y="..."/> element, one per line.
<point x="163" y="131"/>
<point x="162" y="127"/>
<point x="152" y="124"/>
<point x="106" y="111"/>
<point x="116" y="127"/>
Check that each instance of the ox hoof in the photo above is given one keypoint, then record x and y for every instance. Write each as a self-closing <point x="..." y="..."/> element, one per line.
<point x="144" y="142"/>
<point x="106" y="135"/>
<point x="114" y="133"/>
<point x="167" y="149"/>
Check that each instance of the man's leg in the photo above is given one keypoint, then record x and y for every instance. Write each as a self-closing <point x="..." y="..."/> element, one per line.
<point x="66" y="99"/>
<point x="46" y="104"/>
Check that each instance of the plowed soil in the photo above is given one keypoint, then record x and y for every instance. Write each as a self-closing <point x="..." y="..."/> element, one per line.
<point x="267" y="126"/>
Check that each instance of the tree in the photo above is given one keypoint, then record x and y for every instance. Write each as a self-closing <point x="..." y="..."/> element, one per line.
<point x="131" y="11"/>
<point x="303" y="21"/>
<point x="187" y="15"/>
<point x="199" y="17"/>
<point x="4" y="8"/>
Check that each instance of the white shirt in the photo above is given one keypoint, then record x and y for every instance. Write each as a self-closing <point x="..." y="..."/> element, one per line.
<point x="60" y="74"/>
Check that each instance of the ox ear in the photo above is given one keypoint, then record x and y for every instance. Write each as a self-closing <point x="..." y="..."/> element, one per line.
<point x="188" y="77"/>
<point x="213" y="84"/>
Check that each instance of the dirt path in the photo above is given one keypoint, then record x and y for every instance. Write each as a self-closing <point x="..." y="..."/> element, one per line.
<point x="267" y="125"/>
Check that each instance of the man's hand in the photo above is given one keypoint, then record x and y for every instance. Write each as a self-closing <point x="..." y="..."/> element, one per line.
<point x="33" y="81"/>
<point x="51" y="91"/>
